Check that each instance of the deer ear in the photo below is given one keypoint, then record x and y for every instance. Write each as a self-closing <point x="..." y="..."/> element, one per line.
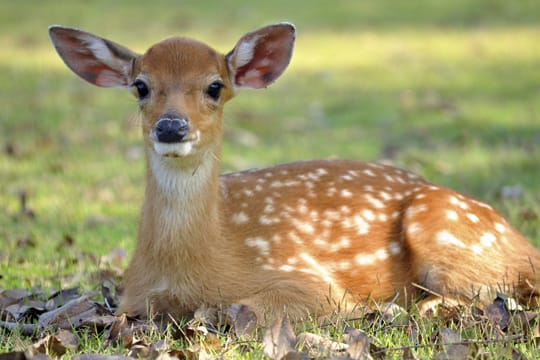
<point x="99" y="61"/>
<point x="262" y="55"/>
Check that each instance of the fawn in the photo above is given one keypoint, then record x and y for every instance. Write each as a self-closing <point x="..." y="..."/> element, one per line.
<point x="304" y="237"/>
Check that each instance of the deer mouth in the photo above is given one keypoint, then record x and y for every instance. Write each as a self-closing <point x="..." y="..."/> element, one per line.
<point x="177" y="149"/>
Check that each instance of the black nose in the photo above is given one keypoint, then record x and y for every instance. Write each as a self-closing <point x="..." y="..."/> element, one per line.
<point x="171" y="130"/>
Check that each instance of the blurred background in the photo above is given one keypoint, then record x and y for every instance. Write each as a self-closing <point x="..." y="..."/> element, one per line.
<point x="448" y="89"/>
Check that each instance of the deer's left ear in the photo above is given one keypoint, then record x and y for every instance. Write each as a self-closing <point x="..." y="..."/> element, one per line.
<point x="261" y="56"/>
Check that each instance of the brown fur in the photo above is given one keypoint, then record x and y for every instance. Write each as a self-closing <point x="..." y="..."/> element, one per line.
<point x="304" y="237"/>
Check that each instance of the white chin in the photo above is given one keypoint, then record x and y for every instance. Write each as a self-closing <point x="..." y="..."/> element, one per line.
<point x="174" y="149"/>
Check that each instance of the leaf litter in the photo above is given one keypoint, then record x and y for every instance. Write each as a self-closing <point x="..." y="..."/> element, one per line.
<point x="57" y="323"/>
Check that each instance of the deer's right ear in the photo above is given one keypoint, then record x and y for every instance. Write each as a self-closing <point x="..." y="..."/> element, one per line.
<point x="262" y="55"/>
<point x="99" y="61"/>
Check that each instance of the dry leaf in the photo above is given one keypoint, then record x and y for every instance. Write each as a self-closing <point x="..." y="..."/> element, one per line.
<point x="359" y="344"/>
<point x="56" y="344"/>
<point x="309" y="341"/>
<point x="497" y="313"/>
<point x="14" y="355"/>
<point x="242" y="318"/>
<point x="61" y="298"/>
<point x="139" y="351"/>
<point x="452" y="347"/>
<point x="279" y="339"/>
<point x="115" y="330"/>
<point x="73" y="314"/>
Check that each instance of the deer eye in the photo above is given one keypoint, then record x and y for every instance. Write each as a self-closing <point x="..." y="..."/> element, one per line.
<point x="214" y="90"/>
<point x="142" y="89"/>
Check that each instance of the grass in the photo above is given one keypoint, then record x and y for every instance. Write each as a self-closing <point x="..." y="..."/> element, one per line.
<point x="447" y="89"/>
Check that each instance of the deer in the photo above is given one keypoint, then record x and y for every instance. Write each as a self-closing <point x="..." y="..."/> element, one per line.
<point x="301" y="238"/>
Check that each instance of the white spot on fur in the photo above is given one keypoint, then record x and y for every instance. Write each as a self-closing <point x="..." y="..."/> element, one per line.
<point x="343" y="243"/>
<point x="344" y="209"/>
<point x="321" y="172"/>
<point x="292" y="260"/>
<point x="477" y="249"/>
<point x="364" y="260"/>
<point x="316" y="267"/>
<point x="260" y="244"/>
<point x="414" y="228"/>
<point x="370" y="259"/>
<point x="304" y="227"/>
<point x="473" y="218"/>
<point x="452" y="215"/>
<point x="381" y="254"/>
<point x="276" y="184"/>
<point x="445" y="238"/>
<point x="385" y="196"/>
<point x="269" y="220"/>
<point x="412" y="211"/>
<point x="500" y="228"/>
<point x="240" y="218"/>
<point x="368" y="173"/>
<point x="362" y="227"/>
<point x="368" y="215"/>
<point x="346" y="193"/>
<point x="487" y="239"/>
<point x="286" y="268"/>
<point x="378" y="204"/>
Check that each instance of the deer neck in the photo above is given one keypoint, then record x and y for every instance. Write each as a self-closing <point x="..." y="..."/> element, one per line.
<point x="181" y="203"/>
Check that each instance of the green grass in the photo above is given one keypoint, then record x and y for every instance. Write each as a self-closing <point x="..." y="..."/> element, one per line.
<point x="450" y="90"/>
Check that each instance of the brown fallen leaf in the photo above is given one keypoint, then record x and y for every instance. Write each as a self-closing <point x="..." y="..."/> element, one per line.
<point x="497" y="313"/>
<point x="451" y="344"/>
<point x="14" y="355"/>
<point x="313" y="342"/>
<point x="16" y="296"/>
<point x="62" y="297"/>
<point x="116" y="329"/>
<point x="359" y="344"/>
<point x="57" y="344"/>
<point x="242" y="318"/>
<point x="279" y="339"/>
<point x="73" y="314"/>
